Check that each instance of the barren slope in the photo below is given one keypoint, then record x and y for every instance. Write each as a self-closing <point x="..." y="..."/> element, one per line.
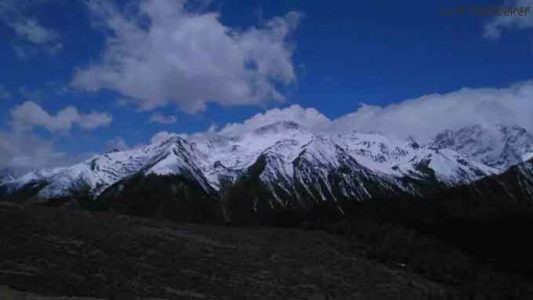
<point x="55" y="252"/>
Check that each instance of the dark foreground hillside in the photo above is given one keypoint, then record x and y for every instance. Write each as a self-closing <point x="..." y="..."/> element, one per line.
<point x="57" y="252"/>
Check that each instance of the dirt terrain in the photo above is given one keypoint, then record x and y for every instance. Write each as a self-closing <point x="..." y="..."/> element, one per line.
<point x="63" y="253"/>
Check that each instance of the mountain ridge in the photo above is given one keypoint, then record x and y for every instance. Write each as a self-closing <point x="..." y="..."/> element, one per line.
<point x="497" y="146"/>
<point x="279" y="165"/>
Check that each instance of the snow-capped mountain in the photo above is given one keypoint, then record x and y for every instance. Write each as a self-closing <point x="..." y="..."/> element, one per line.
<point x="496" y="146"/>
<point x="318" y="171"/>
<point x="278" y="165"/>
<point x="94" y="175"/>
<point x="408" y="159"/>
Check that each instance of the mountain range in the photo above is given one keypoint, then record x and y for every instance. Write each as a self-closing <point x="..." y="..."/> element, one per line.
<point x="245" y="175"/>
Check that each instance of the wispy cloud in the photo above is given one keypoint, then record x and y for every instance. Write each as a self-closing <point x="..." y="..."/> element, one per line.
<point x="162" y="119"/>
<point x="29" y="31"/>
<point x="32" y="31"/>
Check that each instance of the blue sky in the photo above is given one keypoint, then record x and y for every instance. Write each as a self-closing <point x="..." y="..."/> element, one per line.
<point x="329" y="56"/>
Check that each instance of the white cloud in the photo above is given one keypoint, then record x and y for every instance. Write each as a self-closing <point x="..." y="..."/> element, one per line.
<point x="29" y="115"/>
<point x="425" y="116"/>
<point x="166" y="54"/>
<point x="494" y="27"/>
<point x="162" y="119"/>
<point x="21" y="152"/>
<point x="308" y="117"/>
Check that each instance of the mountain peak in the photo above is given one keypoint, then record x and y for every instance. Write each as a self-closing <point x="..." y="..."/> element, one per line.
<point x="498" y="146"/>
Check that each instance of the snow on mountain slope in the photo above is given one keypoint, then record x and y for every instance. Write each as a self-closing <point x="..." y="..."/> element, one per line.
<point x="234" y="153"/>
<point x="406" y="158"/>
<point x="101" y="171"/>
<point x="325" y="170"/>
<point x="375" y="151"/>
<point x="443" y="165"/>
<point x="527" y="156"/>
<point x="310" y="171"/>
<point x="303" y="176"/>
<point x="339" y="165"/>
<point x="525" y="170"/>
<point x="496" y="146"/>
<point x="177" y="157"/>
<point x="239" y="151"/>
<point x="33" y="176"/>
<point x="94" y="174"/>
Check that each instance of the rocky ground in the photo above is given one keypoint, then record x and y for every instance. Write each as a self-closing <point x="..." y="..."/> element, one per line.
<point x="50" y="253"/>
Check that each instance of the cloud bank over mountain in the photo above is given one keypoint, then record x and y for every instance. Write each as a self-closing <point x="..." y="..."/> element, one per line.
<point x="421" y="118"/>
<point x="425" y="116"/>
